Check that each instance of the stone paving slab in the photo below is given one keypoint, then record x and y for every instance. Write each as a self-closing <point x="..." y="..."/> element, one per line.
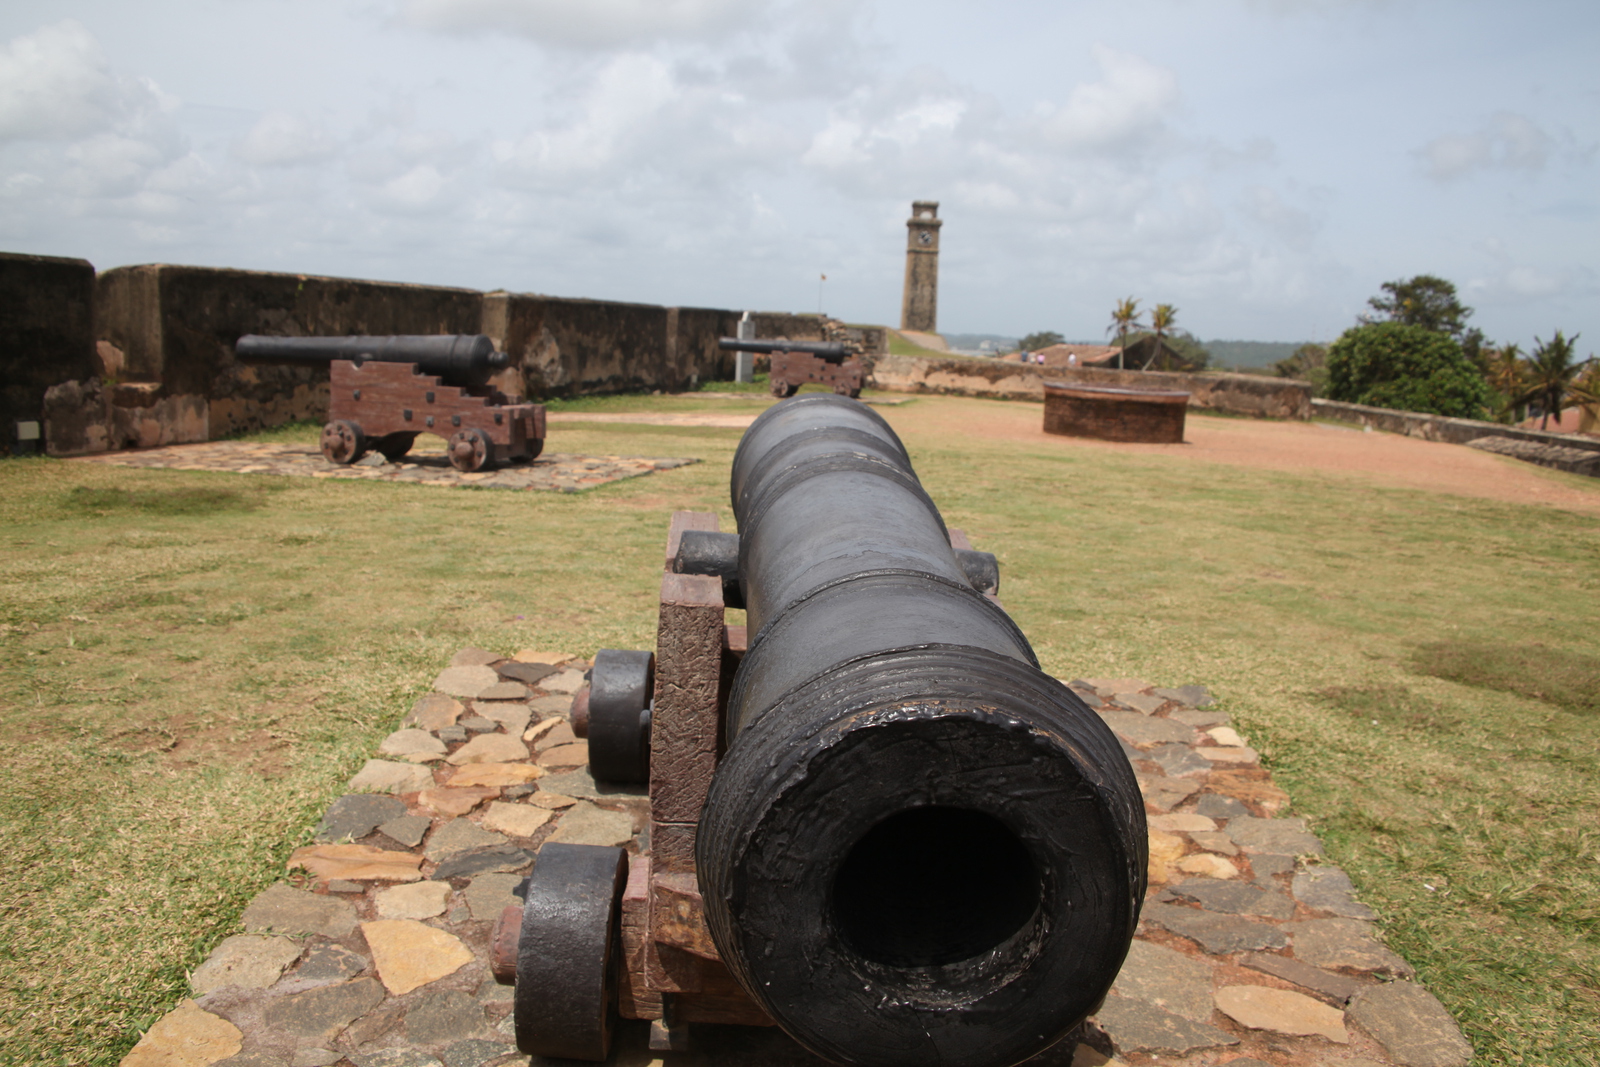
<point x="1252" y="949"/>
<point x="556" y="472"/>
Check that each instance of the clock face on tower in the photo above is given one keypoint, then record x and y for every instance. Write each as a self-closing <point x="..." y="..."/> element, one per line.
<point x="924" y="237"/>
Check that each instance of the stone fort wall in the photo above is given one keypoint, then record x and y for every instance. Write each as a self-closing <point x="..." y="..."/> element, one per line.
<point x="1240" y="394"/>
<point x="142" y="356"/>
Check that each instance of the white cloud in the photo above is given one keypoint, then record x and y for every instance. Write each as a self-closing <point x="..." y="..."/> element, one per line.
<point x="56" y="85"/>
<point x="1506" y="141"/>
<point x="80" y="141"/>
<point x="1515" y="280"/>
<point x="417" y="190"/>
<point x="112" y="165"/>
<point x="715" y="150"/>
<point x="1294" y="226"/>
<point x="589" y="23"/>
<point x="906" y="127"/>
<point x="279" y="139"/>
<point x="1525" y="280"/>
<point x="624" y="96"/>
<point x="1126" y="108"/>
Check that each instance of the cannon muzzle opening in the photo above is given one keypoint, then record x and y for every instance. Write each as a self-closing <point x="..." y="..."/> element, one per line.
<point x="935" y="885"/>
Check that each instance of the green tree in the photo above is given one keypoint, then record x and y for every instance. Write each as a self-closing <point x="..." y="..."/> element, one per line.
<point x="1124" y="317"/>
<point x="1585" y="392"/>
<point x="1424" y="301"/>
<point x="1477" y="348"/>
<point x="1040" y="339"/>
<point x="1405" y="367"/>
<point x="1507" y="380"/>
<point x="1309" y="363"/>
<point x="1162" y="318"/>
<point x="1196" y="356"/>
<point x="1192" y="355"/>
<point x="1551" y="374"/>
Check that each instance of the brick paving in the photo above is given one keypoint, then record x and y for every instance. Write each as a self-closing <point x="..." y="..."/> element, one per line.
<point x="558" y="472"/>
<point x="1252" y="948"/>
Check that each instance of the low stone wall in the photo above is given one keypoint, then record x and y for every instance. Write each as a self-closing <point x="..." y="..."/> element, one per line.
<point x="1440" y="428"/>
<point x="1239" y="394"/>
<point x="1560" y="457"/>
<point x="163" y="371"/>
<point x="1235" y="394"/>
<point x="174" y="328"/>
<point x="959" y="377"/>
<point x="562" y="346"/>
<point x="87" y="415"/>
<point x="46" y="333"/>
<point x="771" y="325"/>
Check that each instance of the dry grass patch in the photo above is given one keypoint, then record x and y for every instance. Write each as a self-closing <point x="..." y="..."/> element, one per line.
<point x="1566" y="678"/>
<point x="150" y="647"/>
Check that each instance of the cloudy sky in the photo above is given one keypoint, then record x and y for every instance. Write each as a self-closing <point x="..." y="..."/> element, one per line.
<point x="1262" y="164"/>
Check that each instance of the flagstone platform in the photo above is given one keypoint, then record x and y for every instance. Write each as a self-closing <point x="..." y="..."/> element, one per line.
<point x="558" y="471"/>
<point x="373" y="950"/>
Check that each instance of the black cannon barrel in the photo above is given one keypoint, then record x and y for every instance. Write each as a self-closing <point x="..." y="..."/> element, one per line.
<point x="829" y="351"/>
<point x="919" y="848"/>
<point x="465" y="360"/>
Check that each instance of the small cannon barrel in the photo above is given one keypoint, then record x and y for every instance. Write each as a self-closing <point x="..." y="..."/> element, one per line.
<point x="919" y="848"/>
<point x="466" y="360"/>
<point x="829" y="351"/>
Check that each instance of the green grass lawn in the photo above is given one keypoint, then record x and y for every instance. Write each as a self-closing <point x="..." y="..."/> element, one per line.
<point x="194" y="663"/>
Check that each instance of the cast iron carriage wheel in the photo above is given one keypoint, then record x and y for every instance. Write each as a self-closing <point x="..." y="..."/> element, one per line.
<point x="782" y="389"/>
<point x="568" y="958"/>
<point x="343" y="442"/>
<point x="470" y="450"/>
<point x="620" y="686"/>
<point x="535" y="446"/>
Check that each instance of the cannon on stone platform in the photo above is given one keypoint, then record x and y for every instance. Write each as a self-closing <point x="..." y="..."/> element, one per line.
<point x="796" y="362"/>
<point x="876" y="824"/>
<point x="384" y="391"/>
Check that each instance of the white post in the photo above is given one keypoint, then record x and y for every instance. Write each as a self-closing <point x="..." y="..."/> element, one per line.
<point x="744" y="363"/>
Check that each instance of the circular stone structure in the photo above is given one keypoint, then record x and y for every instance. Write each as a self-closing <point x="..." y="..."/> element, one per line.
<point x="1113" y="414"/>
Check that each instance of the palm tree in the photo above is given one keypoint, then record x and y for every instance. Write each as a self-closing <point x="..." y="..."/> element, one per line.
<point x="1161" y="323"/>
<point x="1507" y="377"/>
<point x="1124" y="317"/>
<point x="1550" y="375"/>
<point x="1586" y="393"/>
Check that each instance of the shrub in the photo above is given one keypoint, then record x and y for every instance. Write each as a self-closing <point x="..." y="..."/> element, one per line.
<point x="1408" y="368"/>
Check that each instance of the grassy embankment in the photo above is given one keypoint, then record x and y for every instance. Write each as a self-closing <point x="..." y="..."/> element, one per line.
<point x="193" y="663"/>
<point x="900" y="345"/>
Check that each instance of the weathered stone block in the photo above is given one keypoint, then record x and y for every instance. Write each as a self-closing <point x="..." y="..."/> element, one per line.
<point x="46" y="334"/>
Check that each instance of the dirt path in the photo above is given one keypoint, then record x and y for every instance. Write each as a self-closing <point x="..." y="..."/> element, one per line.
<point x="730" y="422"/>
<point x="1385" y="459"/>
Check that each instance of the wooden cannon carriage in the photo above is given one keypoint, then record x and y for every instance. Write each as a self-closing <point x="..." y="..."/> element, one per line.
<point x="385" y="391"/>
